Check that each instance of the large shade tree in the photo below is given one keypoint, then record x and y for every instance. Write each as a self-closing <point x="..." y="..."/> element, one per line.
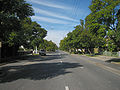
<point x="11" y="14"/>
<point x="103" y="20"/>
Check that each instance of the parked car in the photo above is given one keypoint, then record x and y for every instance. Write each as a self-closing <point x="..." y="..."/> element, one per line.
<point x="42" y="52"/>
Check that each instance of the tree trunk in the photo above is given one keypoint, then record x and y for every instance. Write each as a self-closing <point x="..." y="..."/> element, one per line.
<point x="89" y="51"/>
<point x="82" y="51"/>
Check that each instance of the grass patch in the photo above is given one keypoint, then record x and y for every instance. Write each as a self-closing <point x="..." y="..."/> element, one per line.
<point x="35" y="54"/>
<point x="115" y="62"/>
<point x="92" y="55"/>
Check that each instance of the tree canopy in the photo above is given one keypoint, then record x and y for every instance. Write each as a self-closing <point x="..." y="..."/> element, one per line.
<point x="101" y="28"/>
<point x="11" y="12"/>
<point x="48" y="45"/>
<point x="17" y="28"/>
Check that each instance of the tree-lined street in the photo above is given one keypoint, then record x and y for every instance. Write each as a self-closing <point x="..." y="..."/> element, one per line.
<point x="100" y="29"/>
<point x="57" y="44"/>
<point x="60" y="71"/>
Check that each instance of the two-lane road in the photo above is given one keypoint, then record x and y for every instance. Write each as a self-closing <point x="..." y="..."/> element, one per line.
<point x="60" y="71"/>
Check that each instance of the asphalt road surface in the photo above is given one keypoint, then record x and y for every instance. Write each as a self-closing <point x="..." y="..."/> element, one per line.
<point x="60" y="71"/>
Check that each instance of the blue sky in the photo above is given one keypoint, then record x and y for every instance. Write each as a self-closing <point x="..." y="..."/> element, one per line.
<point x="59" y="17"/>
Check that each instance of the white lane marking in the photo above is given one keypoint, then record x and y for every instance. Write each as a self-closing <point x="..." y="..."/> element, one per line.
<point x="67" y="88"/>
<point x="81" y="67"/>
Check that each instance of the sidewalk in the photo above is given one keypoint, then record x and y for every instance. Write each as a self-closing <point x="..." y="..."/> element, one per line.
<point x="109" y="59"/>
<point x="103" y="58"/>
<point x="13" y="59"/>
<point x="115" y="60"/>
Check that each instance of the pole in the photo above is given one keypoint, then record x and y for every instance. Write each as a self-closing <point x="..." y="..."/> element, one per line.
<point x="36" y="50"/>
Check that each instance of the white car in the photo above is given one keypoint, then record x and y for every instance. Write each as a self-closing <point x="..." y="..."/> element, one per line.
<point x="42" y="52"/>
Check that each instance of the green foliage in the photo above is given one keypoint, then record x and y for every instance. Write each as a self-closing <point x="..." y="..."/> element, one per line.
<point x="48" y="45"/>
<point x="80" y="38"/>
<point x="16" y="28"/>
<point x="111" y="45"/>
<point x="12" y="38"/>
<point x="104" y="20"/>
<point x="11" y="12"/>
<point x="103" y="13"/>
<point x="30" y="35"/>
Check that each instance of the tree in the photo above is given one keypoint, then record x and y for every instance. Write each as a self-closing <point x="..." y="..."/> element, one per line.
<point x="11" y="14"/>
<point x="102" y="19"/>
<point x="31" y="34"/>
<point x="102" y="22"/>
<point x="48" y="45"/>
<point x="82" y="24"/>
<point x="81" y="38"/>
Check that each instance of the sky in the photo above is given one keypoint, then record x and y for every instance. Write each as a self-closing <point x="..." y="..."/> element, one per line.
<point x="59" y="17"/>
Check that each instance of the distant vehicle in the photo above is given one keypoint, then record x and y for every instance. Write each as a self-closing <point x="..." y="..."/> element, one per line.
<point x="42" y="52"/>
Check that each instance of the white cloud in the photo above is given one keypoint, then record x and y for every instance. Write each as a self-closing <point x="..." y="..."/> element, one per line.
<point x="40" y="11"/>
<point x="56" y="36"/>
<point x="50" y="20"/>
<point x="54" y="5"/>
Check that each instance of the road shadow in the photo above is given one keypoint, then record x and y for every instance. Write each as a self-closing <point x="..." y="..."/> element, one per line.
<point x="113" y="60"/>
<point x="38" y="71"/>
<point x="48" y="57"/>
<point x="14" y="59"/>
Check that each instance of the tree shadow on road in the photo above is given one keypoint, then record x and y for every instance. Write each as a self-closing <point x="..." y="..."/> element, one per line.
<point x="37" y="71"/>
<point x="48" y="57"/>
<point x="33" y="58"/>
<point x="113" y="60"/>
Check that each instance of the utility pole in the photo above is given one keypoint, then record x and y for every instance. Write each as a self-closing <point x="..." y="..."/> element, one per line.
<point x="36" y="50"/>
